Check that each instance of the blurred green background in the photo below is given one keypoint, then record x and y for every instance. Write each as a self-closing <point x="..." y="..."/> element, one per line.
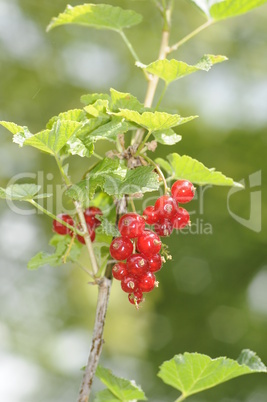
<point x="213" y="294"/>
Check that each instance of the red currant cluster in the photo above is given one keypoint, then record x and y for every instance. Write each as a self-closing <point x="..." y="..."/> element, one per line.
<point x="140" y="247"/>
<point x="91" y="221"/>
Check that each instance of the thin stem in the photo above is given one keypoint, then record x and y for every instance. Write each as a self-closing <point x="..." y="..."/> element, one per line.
<point x="54" y="217"/>
<point x="84" y="269"/>
<point x="63" y="174"/>
<point x="65" y="256"/>
<point x="104" y="286"/>
<point x="86" y="236"/>
<point x="161" y="96"/>
<point x="97" y="341"/>
<point x="132" y="205"/>
<point x="151" y="162"/>
<point x="98" y="156"/>
<point x="141" y="146"/>
<point x="181" y="398"/>
<point x="190" y="36"/>
<point x="80" y="213"/>
<point x="153" y="82"/>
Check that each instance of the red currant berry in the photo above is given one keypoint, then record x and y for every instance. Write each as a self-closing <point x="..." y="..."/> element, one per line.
<point x="60" y="228"/>
<point x="129" y="284"/>
<point x="183" y="191"/>
<point x="149" y="243"/>
<point x="147" y="282"/>
<point x="89" y="215"/>
<point x="154" y="263"/>
<point x="165" y="206"/>
<point x="131" y="225"/>
<point x="121" y="248"/>
<point x="181" y="219"/>
<point x="164" y="227"/>
<point x="119" y="270"/>
<point x="136" y="297"/>
<point x="91" y="234"/>
<point x="137" y="264"/>
<point x="150" y="215"/>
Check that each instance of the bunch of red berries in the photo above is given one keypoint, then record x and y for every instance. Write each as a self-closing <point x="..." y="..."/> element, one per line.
<point x="138" y="248"/>
<point x="91" y="221"/>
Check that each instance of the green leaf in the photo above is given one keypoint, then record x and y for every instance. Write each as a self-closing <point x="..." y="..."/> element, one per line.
<point x="72" y="115"/>
<point x="100" y="16"/>
<point x="85" y="189"/>
<point x="108" y="131"/>
<point x="22" y="192"/>
<point x="139" y="180"/>
<point x="122" y="100"/>
<point x="98" y="108"/>
<point x="75" y="146"/>
<point x="221" y="9"/>
<point x="61" y="244"/>
<point x="20" y="133"/>
<point x="232" y="8"/>
<point x="51" y="141"/>
<point x="124" y="390"/>
<point x="185" y="167"/>
<point x="154" y="121"/>
<point x="171" y="70"/>
<point x="191" y="373"/>
<point x="88" y="99"/>
<point x="167" y="137"/>
<point x="108" y="227"/>
<point x="106" y="395"/>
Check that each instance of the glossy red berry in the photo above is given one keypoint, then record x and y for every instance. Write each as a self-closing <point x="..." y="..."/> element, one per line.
<point x="183" y="191"/>
<point x="150" y="215"/>
<point x="165" y="206"/>
<point x="121" y="248"/>
<point x="91" y="234"/>
<point x="129" y="283"/>
<point x="147" y="282"/>
<point x="149" y="243"/>
<point x="89" y="215"/>
<point x="119" y="270"/>
<point x="136" y="297"/>
<point x="131" y="225"/>
<point x="137" y="264"/>
<point x="154" y="263"/>
<point x="164" y="227"/>
<point x="60" y="228"/>
<point x="181" y="219"/>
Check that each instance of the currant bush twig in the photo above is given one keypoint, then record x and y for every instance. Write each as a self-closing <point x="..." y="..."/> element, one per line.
<point x="104" y="286"/>
<point x="65" y="256"/>
<point x="80" y="213"/>
<point x="141" y="146"/>
<point x="86" y="236"/>
<point x="153" y="80"/>
<point x="131" y="49"/>
<point x="54" y="217"/>
<point x="161" y="96"/>
<point x="151" y="162"/>
<point x="84" y="269"/>
<point x="189" y="36"/>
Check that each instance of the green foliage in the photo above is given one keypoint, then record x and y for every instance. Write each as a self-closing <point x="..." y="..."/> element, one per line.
<point x="52" y="141"/>
<point x="22" y="192"/>
<point x="123" y="390"/>
<point x="191" y="373"/>
<point x="185" y="167"/>
<point x="154" y="121"/>
<point x="167" y="137"/>
<point x="221" y="9"/>
<point x="100" y="16"/>
<point x="61" y="245"/>
<point x="171" y="70"/>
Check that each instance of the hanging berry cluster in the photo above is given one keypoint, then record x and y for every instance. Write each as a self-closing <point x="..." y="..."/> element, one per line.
<point x="138" y="248"/>
<point x="91" y="221"/>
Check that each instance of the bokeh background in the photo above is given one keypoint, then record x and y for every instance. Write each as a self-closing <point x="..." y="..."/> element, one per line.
<point x="213" y="294"/>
